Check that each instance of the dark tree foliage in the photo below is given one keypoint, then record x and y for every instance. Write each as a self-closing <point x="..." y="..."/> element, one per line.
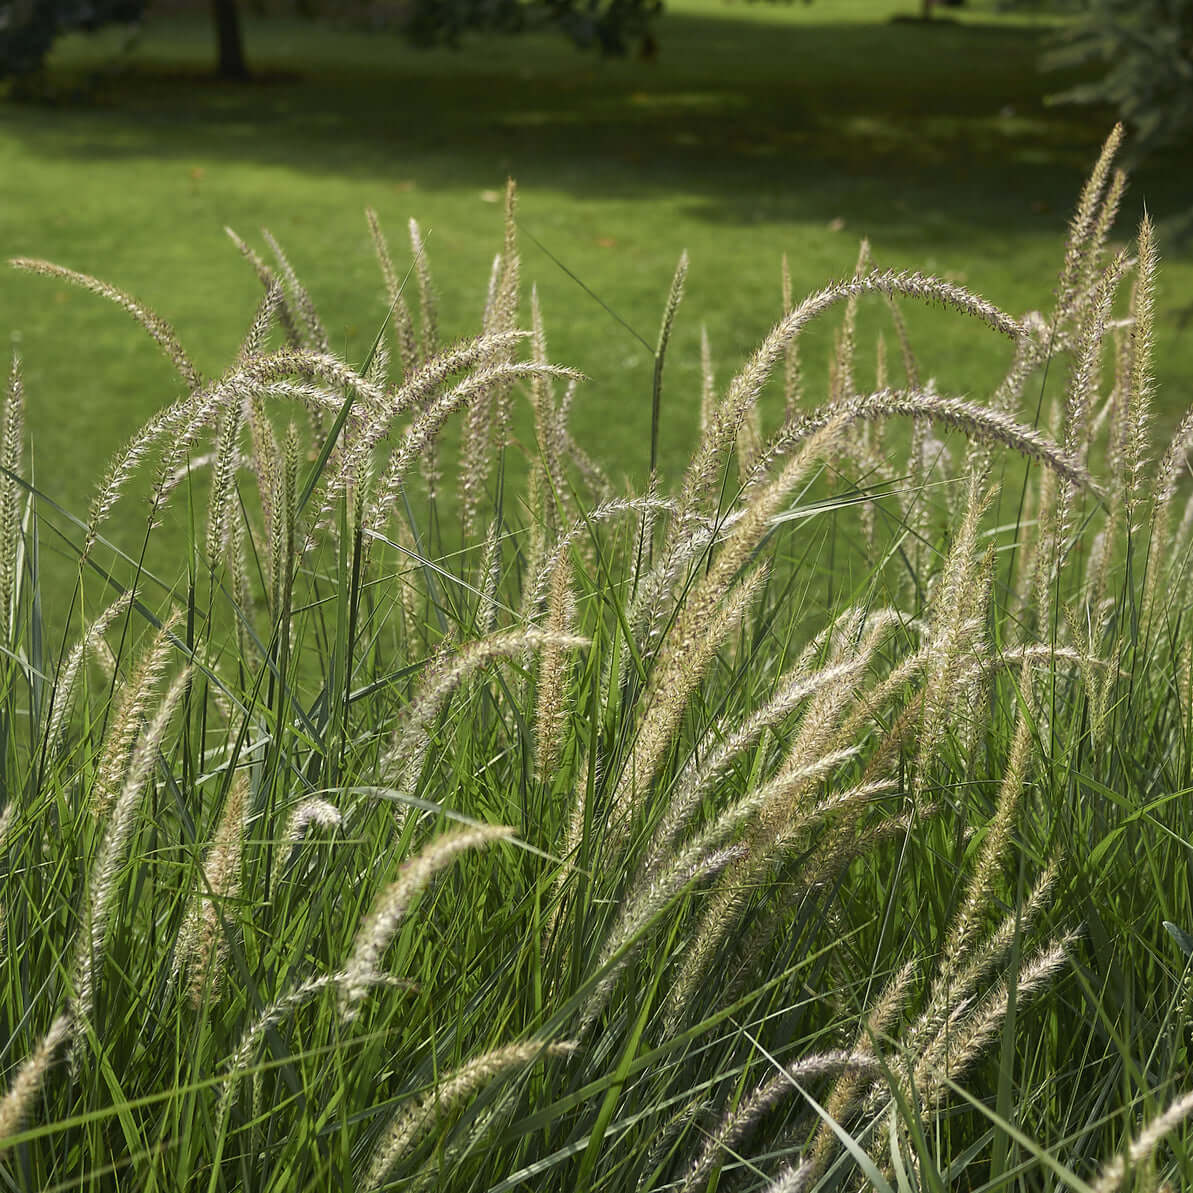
<point x="1147" y="48"/>
<point x="612" y="26"/>
<point x="28" y="27"/>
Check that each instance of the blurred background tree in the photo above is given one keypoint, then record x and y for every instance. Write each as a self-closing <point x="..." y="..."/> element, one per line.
<point x="612" y="26"/>
<point x="229" y="40"/>
<point x="1147" y="49"/>
<point x="28" y="28"/>
<point x="1146" y="45"/>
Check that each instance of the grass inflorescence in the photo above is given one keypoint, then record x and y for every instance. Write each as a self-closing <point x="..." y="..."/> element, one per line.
<point x="818" y="822"/>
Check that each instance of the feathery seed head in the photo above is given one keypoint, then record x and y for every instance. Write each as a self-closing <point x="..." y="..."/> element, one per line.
<point x="1140" y="381"/>
<point x="202" y="942"/>
<point x="551" y="708"/>
<point x="640" y="907"/>
<point x="689" y="651"/>
<point x="739" y="1120"/>
<point x="423" y="432"/>
<point x="314" y="335"/>
<point x="263" y="321"/>
<point x="1083" y="225"/>
<point x="403" y="761"/>
<point x="17" y="1103"/>
<point x="156" y="326"/>
<point x="1143" y="1146"/>
<point x="981" y="423"/>
<point x="428" y="313"/>
<point x="268" y="280"/>
<point x="62" y="697"/>
<point x="126" y="724"/>
<point x="111" y="856"/>
<point x="747" y="385"/>
<point x="391" y="905"/>
<point x="12" y="424"/>
<point x="311" y="811"/>
<point x="410" y="1125"/>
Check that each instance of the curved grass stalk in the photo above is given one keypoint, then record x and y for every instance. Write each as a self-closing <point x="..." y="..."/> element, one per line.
<point x="409" y="1126"/>
<point x="738" y="1122"/>
<point x="158" y="329"/>
<point x="402" y="763"/>
<point x="12" y="425"/>
<point x="17" y="1103"/>
<point x="743" y="391"/>
<point x="425" y="428"/>
<point x="981" y="423"/>
<point x="89" y="949"/>
<point x="389" y="909"/>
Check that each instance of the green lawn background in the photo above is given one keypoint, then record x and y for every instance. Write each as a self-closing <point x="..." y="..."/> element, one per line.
<point x="760" y="129"/>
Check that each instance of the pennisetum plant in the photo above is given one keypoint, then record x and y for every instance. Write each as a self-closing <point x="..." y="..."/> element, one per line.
<point x="527" y="832"/>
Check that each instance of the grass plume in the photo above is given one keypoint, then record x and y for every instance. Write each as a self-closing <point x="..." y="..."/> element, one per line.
<point x="831" y="773"/>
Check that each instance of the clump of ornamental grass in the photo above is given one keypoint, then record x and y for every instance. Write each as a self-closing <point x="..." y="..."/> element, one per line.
<point x="820" y="824"/>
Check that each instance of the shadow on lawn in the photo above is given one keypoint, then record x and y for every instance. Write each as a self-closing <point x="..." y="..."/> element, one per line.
<point x="755" y="121"/>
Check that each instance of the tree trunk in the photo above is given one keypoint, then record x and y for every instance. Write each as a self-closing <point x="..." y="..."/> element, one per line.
<point x="229" y="40"/>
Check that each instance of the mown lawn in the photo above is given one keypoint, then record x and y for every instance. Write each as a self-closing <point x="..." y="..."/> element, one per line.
<point x="906" y="776"/>
<point x="760" y="129"/>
